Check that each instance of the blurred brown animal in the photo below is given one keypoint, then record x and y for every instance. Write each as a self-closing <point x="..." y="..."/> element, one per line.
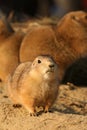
<point x="39" y="41"/>
<point x="72" y="30"/>
<point x="66" y="41"/>
<point x="10" y="42"/>
<point x="35" y="84"/>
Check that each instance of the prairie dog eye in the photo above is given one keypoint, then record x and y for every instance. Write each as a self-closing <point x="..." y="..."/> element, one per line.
<point x="39" y="61"/>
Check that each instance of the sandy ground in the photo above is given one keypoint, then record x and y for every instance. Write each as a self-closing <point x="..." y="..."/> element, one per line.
<point x="68" y="113"/>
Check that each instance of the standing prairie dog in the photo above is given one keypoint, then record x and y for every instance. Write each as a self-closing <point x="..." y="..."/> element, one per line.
<point x="35" y="84"/>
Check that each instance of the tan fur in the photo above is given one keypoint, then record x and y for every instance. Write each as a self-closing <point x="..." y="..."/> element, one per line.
<point x="35" y="84"/>
<point x="66" y="42"/>
<point x="9" y="49"/>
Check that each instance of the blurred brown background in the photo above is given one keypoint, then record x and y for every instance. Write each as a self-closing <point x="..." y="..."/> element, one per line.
<point x="41" y="7"/>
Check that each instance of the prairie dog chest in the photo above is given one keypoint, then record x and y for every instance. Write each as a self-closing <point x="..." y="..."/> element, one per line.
<point x="45" y="90"/>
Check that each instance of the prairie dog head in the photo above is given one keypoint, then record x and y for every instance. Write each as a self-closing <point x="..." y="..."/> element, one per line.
<point x="44" y="66"/>
<point x="78" y="18"/>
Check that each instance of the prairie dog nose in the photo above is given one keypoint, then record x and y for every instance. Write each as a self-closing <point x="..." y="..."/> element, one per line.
<point x="51" y="65"/>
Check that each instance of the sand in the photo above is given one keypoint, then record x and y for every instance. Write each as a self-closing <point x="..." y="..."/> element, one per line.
<point x="68" y="113"/>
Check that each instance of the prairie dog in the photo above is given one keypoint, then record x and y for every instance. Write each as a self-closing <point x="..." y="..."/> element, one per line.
<point x="35" y="84"/>
<point x="10" y="42"/>
<point x="72" y="30"/>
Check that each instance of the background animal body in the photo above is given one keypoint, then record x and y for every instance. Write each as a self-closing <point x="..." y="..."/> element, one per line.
<point x="66" y="41"/>
<point x="10" y="42"/>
